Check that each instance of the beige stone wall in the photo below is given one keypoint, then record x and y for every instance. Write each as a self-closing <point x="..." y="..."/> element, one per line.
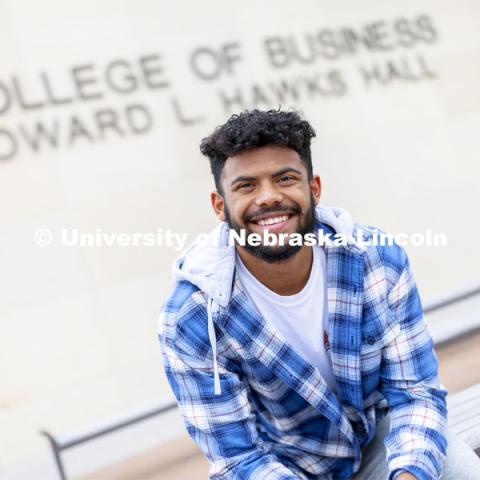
<point x="124" y="91"/>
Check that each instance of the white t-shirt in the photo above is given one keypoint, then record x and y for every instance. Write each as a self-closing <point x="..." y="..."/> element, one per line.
<point x="301" y="319"/>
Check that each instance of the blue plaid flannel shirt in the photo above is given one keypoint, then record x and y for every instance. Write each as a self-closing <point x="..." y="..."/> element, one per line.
<point x="275" y="417"/>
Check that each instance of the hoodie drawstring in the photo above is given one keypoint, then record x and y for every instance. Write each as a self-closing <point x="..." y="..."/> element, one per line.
<point x="213" y="343"/>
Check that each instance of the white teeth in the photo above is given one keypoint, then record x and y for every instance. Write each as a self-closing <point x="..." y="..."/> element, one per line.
<point x="271" y="221"/>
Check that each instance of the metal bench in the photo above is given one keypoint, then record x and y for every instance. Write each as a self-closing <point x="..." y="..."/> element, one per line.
<point x="60" y="443"/>
<point x="464" y="416"/>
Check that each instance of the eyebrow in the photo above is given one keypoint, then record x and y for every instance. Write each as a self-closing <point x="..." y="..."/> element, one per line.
<point x="243" y="178"/>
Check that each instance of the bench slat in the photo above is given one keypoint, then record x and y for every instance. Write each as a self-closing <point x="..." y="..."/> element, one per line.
<point x="464" y="415"/>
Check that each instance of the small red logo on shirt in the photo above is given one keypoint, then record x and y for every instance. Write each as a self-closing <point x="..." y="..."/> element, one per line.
<point x="326" y="342"/>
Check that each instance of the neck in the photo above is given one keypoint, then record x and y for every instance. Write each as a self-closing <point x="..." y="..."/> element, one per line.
<point x="286" y="277"/>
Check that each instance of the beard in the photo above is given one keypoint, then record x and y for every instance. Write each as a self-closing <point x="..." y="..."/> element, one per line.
<point x="272" y="254"/>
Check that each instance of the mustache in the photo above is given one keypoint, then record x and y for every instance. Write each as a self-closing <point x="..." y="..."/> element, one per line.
<point x="278" y="209"/>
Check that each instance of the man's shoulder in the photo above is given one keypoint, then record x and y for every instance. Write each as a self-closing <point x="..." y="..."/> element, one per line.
<point x="384" y="261"/>
<point x="183" y="316"/>
<point x="381" y="247"/>
<point x="384" y="264"/>
<point x="181" y="292"/>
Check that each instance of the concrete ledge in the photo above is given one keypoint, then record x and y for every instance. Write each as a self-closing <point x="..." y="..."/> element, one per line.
<point x="464" y="415"/>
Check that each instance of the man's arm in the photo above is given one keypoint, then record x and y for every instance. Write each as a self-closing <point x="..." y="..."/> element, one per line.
<point x="409" y="380"/>
<point x="222" y="425"/>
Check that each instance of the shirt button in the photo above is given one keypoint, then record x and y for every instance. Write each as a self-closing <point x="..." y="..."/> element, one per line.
<point x="371" y="340"/>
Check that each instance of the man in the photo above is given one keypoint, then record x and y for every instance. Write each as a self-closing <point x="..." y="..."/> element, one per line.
<point x="285" y="359"/>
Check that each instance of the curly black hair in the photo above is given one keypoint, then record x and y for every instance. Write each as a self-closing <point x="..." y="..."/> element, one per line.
<point x="255" y="128"/>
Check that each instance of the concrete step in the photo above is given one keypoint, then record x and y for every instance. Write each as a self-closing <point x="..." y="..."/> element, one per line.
<point x="178" y="460"/>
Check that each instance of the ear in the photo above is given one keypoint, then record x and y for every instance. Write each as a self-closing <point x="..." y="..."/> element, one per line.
<point x="316" y="188"/>
<point x="218" y="205"/>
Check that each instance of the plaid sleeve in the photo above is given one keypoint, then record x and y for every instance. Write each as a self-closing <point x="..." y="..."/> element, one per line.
<point x="223" y="426"/>
<point x="409" y="380"/>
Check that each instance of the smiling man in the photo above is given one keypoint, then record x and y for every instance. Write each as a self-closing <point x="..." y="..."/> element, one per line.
<point x="298" y="361"/>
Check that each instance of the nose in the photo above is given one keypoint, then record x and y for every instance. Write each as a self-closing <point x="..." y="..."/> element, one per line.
<point x="268" y="195"/>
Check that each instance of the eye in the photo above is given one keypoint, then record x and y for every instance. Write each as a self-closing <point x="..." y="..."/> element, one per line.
<point x="245" y="186"/>
<point x="286" y="178"/>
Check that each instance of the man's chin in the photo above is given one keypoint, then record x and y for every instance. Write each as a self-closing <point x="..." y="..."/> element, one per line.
<point x="273" y="254"/>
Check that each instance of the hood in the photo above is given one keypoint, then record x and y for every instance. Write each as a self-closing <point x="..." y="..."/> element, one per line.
<point x="209" y="264"/>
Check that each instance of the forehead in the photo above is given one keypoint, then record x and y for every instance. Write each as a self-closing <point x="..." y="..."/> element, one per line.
<point x="261" y="161"/>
